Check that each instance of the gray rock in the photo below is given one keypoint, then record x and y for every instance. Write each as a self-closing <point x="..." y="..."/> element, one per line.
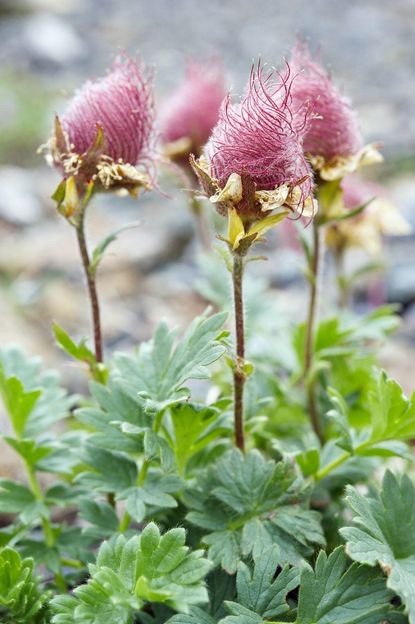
<point x="19" y="199"/>
<point x="52" y="39"/>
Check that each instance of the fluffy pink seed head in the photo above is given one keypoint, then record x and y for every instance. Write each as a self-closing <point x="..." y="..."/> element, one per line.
<point x="260" y="137"/>
<point x="122" y="103"/>
<point x="192" y="110"/>
<point x="334" y="131"/>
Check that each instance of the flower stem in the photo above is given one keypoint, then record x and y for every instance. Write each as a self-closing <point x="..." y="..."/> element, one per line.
<point x="91" y="285"/>
<point x="310" y="330"/>
<point x="239" y="373"/>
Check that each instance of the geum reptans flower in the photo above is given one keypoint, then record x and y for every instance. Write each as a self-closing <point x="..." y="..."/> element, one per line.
<point x="106" y="134"/>
<point x="188" y="116"/>
<point x="375" y="216"/>
<point x="254" y="162"/>
<point x="333" y="141"/>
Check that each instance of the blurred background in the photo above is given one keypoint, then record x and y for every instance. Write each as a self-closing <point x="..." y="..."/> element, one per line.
<point x="50" y="47"/>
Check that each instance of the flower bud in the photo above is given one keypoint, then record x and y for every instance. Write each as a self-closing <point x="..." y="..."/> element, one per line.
<point x="107" y="130"/>
<point x="254" y="160"/>
<point x="332" y="140"/>
<point x="187" y="117"/>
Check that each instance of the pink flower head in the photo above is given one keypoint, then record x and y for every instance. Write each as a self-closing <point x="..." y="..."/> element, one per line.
<point x="122" y="105"/>
<point x="259" y="138"/>
<point x="192" y="110"/>
<point x="333" y="132"/>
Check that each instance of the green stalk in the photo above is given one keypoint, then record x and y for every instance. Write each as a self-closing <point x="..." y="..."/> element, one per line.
<point x="239" y="372"/>
<point x="332" y="466"/>
<point x="341" y="459"/>
<point x="310" y="330"/>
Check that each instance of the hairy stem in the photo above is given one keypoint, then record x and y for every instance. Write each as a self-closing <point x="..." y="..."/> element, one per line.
<point x="91" y="285"/>
<point x="239" y="373"/>
<point x="310" y="330"/>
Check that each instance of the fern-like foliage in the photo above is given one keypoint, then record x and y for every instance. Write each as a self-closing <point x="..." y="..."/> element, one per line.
<point x="149" y="568"/>
<point x="246" y="503"/>
<point x="21" y="600"/>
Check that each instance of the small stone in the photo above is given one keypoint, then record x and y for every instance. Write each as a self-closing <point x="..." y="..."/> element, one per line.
<point x="50" y="38"/>
<point x="19" y="200"/>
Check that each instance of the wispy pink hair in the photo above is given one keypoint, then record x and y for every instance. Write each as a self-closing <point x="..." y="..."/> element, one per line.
<point x="260" y="137"/>
<point x="122" y="103"/>
<point x="192" y="109"/>
<point x="333" y="131"/>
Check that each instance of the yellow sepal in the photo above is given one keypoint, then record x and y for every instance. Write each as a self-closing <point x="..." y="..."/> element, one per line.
<point x="71" y="202"/>
<point x="236" y="229"/>
<point x="260" y="227"/>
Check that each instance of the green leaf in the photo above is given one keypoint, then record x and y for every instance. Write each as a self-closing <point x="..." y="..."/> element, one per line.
<point x="107" y="471"/>
<point x="21" y="600"/>
<point x="115" y="408"/>
<point x="260" y="590"/>
<point x="156" y="447"/>
<point x="129" y="573"/>
<point x="80" y="352"/>
<point x="34" y="400"/>
<point x="155" y="495"/>
<point x="247" y="504"/>
<point x="309" y="461"/>
<point x="18" y="403"/>
<point x="98" y="253"/>
<point x="99" y="514"/>
<point x="221" y="586"/>
<point x="192" y="429"/>
<point x="336" y="591"/>
<point x="16" y="498"/>
<point x="29" y="449"/>
<point x="241" y="615"/>
<point x="384" y="533"/>
<point x="77" y="351"/>
<point x="339" y="415"/>
<point x="196" y="616"/>
<point x="392" y="414"/>
<point x="159" y="370"/>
